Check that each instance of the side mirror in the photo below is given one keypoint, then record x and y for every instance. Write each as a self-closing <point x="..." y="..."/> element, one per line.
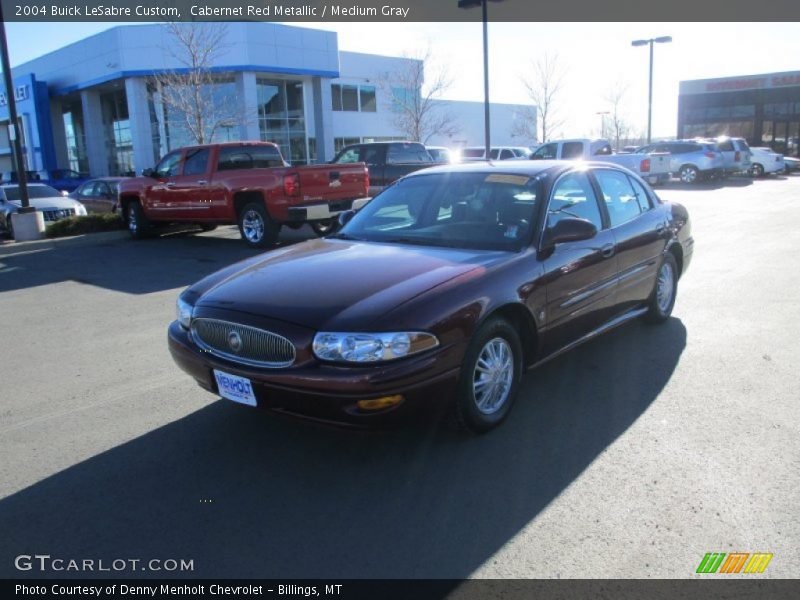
<point x="569" y="230"/>
<point x="345" y="217"/>
<point x="147" y="172"/>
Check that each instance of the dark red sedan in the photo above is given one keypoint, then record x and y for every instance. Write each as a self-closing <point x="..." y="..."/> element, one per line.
<point x="440" y="292"/>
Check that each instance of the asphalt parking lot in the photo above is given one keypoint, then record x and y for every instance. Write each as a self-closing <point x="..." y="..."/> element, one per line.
<point x="630" y="457"/>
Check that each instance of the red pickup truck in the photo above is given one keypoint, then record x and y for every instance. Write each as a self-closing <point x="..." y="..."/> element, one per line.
<point x="246" y="183"/>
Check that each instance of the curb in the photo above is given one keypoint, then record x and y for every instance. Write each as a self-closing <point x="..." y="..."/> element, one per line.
<point x="9" y="248"/>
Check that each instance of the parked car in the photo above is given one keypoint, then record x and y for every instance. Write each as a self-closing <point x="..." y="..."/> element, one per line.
<point x="654" y="167"/>
<point x="690" y="161"/>
<point x="765" y="161"/>
<point x="99" y="195"/>
<point x="442" y="155"/>
<point x="53" y="204"/>
<point x="63" y="179"/>
<point x="791" y="164"/>
<point x="441" y="291"/>
<point x="246" y="183"/>
<point x="735" y="154"/>
<point x="387" y="161"/>
<point x="474" y="153"/>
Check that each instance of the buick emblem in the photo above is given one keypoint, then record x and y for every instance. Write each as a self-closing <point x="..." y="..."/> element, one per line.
<point x="235" y="341"/>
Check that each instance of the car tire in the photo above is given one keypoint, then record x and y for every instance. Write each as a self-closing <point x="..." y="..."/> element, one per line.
<point x="256" y="227"/>
<point x="326" y="227"/>
<point x="138" y="225"/>
<point x="757" y="170"/>
<point x="490" y="377"/>
<point x="665" y="289"/>
<point x="9" y="226"/>
<point x="689" y="174"/>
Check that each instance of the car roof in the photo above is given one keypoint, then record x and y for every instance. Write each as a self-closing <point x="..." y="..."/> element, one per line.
<point x="531" y="168"/>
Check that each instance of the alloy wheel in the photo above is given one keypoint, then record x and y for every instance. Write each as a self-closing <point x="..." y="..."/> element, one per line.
<point x="665" y="287"/>
<point x="493" y="376"/>
<point x="253" y="226"/>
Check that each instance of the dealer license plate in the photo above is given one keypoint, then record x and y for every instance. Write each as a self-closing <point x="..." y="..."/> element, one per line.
<point x="233" y="387"/>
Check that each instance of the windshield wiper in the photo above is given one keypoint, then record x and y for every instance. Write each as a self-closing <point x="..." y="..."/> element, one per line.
<point x="344" y="236"/>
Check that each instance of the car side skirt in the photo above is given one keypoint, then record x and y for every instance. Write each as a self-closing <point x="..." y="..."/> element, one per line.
<point x="608" y="326"/>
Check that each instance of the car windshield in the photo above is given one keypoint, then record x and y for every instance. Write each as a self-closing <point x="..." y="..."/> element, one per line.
<point x="490" y="211"/>
<point x="34" y="191"/>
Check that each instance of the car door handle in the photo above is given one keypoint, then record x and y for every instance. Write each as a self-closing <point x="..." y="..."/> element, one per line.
<point x="607" y="251"/>
<point x="202" y="182"/>
<point x="169" y="184"/>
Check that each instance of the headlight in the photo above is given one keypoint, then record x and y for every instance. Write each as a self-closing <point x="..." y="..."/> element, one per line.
<point x="80" y="209"/>
<point x="184" y="311"/>
<point x="370" y="347"/>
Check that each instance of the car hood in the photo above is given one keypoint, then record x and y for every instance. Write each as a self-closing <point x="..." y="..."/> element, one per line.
<point x="340" y="285"/>
<point x="59" y="202"/>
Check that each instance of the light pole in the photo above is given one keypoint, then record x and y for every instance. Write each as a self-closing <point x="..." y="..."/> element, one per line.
<point x="483" y="4"/>
<point x="13" y="123"/>
<point x="659" y="40"/>
<point x="602" y="114"/>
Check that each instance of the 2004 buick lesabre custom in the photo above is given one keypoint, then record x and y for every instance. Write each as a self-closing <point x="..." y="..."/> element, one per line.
<point x="441" y="291"/>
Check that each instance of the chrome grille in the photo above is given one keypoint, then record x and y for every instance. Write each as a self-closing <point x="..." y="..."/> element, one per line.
<point x="55" y="214"/>
<point x="257" y="347"/>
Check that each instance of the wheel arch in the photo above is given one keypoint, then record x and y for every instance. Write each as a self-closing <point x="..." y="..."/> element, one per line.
<point x="523" y="322"/>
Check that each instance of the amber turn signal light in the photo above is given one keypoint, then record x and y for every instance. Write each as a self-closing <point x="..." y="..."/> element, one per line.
<point x="379" y="403"/>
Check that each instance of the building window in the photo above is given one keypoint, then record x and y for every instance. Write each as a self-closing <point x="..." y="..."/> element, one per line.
<point x="341" y="142"/>
<point x="353" y="98"/>
<point x="117" y="130"/>
<point x="367" y="96"/>
<point x="168" y="120"/>
<point x="76" y="137"/>
<point x="281" y="117"/>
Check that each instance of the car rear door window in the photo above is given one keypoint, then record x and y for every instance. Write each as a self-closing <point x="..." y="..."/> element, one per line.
<point x="573" y="197"/>
<point x="400" y="154"/>
<point x="248" y="157"/>
<point x="621" y="201"/>
<point x="572" y="150"/>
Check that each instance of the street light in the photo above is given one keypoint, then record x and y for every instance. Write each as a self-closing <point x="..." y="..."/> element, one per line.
<point x="659" y="40"/>
<point x="602" y="114"/>
<point x="13" y="124"/>
<point x="483" y="4"/>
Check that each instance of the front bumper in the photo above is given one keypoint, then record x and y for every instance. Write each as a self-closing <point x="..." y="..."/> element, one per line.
<point x="330" y="393"/>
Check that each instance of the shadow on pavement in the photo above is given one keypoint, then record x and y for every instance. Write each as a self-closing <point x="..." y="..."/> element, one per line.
<point x="246" y="494"/>
<point x="704" y="186"/>
<point x="173" y="260"/>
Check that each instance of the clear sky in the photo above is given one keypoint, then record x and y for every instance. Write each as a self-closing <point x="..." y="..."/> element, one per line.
<point x="595" y="57"/>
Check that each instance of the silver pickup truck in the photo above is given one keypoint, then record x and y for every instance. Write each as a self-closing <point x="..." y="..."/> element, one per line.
<point x="653" y="168"/>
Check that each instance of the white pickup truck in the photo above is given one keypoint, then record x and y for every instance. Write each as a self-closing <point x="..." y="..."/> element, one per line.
<point x="653" y="168"/>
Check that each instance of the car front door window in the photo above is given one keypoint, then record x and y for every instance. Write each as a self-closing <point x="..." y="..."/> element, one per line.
<point x="168" y="167"/>
<point x="573" y="197"/>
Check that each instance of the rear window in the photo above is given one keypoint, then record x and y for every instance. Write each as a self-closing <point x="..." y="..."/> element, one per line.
<point x="742" y="145"/>
<point x="248" y="157"/>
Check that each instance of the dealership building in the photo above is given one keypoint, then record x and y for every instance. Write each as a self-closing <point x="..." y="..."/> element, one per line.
<point x="764" y="109"/>
<point x="98" y="105"/>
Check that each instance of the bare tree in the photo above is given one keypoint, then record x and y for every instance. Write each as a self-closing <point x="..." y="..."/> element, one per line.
<point x="524" y="125"/>
<point x="419" y="112"/>
<point x="620" y="127"/>
<point x="543" y="86"/>
<point x="187" y="92"/>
